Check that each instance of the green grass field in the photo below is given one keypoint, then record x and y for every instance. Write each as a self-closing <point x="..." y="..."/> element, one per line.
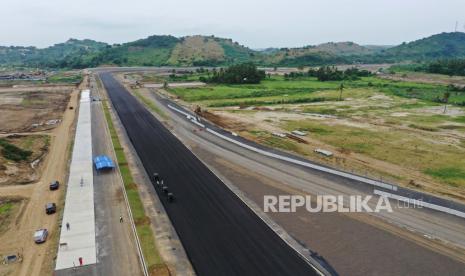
<point x="442" y="161"/>
<point x="65" y="77"/>
<point x="7" y="209"/>
<point x="149" y="103"/>
<point x="277" y="90"/>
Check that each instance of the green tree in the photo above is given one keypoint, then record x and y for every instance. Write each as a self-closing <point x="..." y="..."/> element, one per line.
<point x="237" y="74"/>
<point x="341" y="88"/>
<point x="446" y="100"/>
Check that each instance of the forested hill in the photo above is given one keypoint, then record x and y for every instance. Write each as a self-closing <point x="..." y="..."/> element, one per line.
<point x="53" y="56"/>
<point x="440" y="46"/>
<point x="159" y="50"/>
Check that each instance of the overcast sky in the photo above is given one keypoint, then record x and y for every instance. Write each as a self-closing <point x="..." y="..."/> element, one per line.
<point x="254" y="23"/>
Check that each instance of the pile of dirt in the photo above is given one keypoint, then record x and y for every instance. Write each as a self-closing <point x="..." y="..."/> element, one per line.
<point x="222" y="121"/>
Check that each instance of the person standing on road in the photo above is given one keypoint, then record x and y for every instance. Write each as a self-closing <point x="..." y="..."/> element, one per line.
<point x="67" y="226"/>
<point x="120" y="219"/>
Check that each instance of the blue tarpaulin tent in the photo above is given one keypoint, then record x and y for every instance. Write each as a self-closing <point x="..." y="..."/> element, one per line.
<point x="103" y="162"/>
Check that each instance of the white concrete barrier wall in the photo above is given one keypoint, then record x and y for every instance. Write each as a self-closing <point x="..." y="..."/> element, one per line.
<point x="331" y="171"/>
<point x="419" y="203"/>
<point x="79" y="240"/>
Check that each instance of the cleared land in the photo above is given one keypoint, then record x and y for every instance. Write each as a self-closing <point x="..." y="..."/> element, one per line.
<point x="9" y="209"/>
<point x="21" y="158"/>
<point x="395" y="130"/>
<point x="33" y="156"/>
<point x="32" y="109"/>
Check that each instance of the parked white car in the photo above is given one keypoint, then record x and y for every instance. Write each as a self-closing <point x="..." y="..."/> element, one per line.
<point x="40" y="235"/>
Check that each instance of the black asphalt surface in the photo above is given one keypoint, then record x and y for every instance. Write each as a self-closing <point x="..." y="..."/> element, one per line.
<point x="400" y="190"/>
<point x="220" y="234"/>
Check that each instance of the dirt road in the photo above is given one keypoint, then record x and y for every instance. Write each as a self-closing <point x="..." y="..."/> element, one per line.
<point x="37" y="259"/>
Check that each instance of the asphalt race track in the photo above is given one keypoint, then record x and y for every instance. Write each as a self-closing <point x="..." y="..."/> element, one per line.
<point x="220" y="234"/>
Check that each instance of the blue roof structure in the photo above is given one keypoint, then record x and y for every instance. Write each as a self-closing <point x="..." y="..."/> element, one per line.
<point x="103" y="162"/>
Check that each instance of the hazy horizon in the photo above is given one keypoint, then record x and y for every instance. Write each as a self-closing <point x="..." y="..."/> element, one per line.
<point x="259" y="24"/>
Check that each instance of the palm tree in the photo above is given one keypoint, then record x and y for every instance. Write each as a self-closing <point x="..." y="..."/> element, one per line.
<point x="446" y="100"/>
<point x="341" y="88"/>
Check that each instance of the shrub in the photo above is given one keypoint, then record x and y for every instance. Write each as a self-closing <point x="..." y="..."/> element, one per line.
<point x="12" y="152"/>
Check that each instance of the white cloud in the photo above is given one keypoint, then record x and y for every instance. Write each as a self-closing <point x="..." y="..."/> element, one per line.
<point x="256" y="23"/>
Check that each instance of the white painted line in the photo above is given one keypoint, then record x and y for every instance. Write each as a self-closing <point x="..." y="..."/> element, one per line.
<point x="270" y="223"/>
<point x="179" y="110"/>
<point x="291" y="160"/>
<point x="79" y="240"/>
<point x="421" y="203"/>
<point x="197" y="123"/>
<point x="306" y="164"/>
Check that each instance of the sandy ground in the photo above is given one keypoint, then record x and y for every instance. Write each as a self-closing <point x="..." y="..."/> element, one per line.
<point x="287" y="70"/>
<point x="426" y="78"/>
<point x="32" y="109"/>
<point x="350" y="161"/>
<point x="38" y="259"/>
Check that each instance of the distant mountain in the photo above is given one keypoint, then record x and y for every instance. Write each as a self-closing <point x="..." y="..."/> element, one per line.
<point x="169" y="50"/>
<point x="159" y="50"/>
<point x="439" y="46"/>
<point x="344" y="48"/>
<point x="53" y="56"/>
<point x="153" y="50"/>
<point x="208" y="50"/>
<point x="326" y="53"/>
<point x="378" y="48"/>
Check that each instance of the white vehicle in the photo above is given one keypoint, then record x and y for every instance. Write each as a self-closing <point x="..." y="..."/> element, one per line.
<point x="40" y="235"/>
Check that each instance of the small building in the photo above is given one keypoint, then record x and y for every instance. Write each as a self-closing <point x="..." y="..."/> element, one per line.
<point x="324" y="152"/>
<point x="103" y="162"/>
<point x="298" y="132"/>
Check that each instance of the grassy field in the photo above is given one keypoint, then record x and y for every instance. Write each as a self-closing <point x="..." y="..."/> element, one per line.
<point x="8" y="207"/>
<point x="144" y="231"/>
<point x="65" y="77"/>
<point x="150" y="77"/>
<point x="396" y="122"/>
<point x="397" y="146"/>
<point x="149" y="103"/>
<point x="277" y="90"/>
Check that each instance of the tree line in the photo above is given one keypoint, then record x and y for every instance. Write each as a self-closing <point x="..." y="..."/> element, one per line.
<point x="330" y="73"/>
<point x="451" y="67"/>
<point x="244" y="73"/>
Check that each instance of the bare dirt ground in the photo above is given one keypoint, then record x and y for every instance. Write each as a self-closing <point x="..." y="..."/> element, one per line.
<point x="426" y="78"/>
<point x="29" y="109"/>
<point x="24" y="172"/>
<point x="9" y="210"/>
<point x="270" y="121"/>
<point x="371" y="113"/>
<point x="38" y="259"/>
<point x="287" y="70"/>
